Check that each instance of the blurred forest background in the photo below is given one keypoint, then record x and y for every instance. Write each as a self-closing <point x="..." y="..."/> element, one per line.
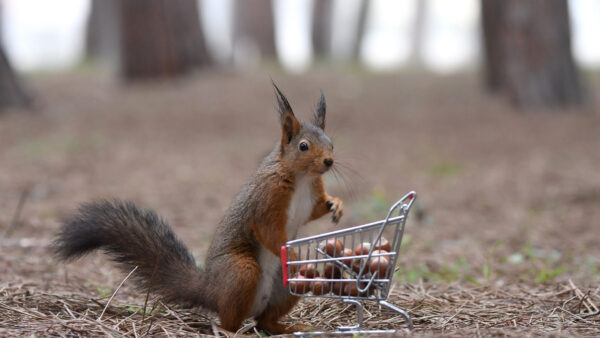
<point x="520" y="45"/>
<point x="487" y="108"/>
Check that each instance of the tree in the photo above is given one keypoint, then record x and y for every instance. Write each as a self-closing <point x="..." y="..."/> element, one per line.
<point x="361" y="25"/>
<point x="418" y="34"/>
<point x="12" y="93"/>
<point x="147" y="38"/>
<point x="160" y="38"/>
<point x="528" y="52"/>
<point x="102" y="35"/>
<point x="347" y="29"/>
<point x="321" y="33"/>
<point x="253" y="27"/>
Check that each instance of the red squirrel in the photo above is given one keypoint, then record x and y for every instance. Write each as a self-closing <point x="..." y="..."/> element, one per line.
<point x="242" y="277"/>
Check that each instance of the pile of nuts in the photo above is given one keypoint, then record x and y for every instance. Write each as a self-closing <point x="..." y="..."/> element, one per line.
<point x="335" y="248"/>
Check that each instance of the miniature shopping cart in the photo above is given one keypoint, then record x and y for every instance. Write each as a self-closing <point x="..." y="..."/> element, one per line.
<point x="354" y="264"/>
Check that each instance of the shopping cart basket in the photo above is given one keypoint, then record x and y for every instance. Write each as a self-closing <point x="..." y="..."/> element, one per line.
<point x="354" y="264"/>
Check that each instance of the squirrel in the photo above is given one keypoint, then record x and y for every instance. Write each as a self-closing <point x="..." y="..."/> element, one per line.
<point x="242" y="277"/>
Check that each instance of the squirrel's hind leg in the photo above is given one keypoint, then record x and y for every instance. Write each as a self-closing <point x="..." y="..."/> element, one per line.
<point x="269" y="319"/>
<point x="280" y="304"/>
<point x="237" y="292"/>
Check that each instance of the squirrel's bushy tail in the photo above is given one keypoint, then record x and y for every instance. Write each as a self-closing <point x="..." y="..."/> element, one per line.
<point x="134" y="237"/>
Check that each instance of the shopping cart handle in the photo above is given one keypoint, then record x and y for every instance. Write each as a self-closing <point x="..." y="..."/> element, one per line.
<point x="284" y="265"/>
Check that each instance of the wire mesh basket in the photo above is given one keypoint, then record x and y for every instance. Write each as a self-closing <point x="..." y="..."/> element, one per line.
<point x="355" y="264"/>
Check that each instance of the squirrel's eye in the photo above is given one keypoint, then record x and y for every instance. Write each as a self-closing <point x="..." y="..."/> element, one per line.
<point x="303" y="146"/>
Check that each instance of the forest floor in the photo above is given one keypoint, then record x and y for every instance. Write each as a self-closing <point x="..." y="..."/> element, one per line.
<point x="504" y="238"/>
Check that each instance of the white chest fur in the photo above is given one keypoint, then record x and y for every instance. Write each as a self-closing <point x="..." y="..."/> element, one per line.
<point x="299" y="212"/>
<point x="269" y="263"/>
<point x="301" y="206"/>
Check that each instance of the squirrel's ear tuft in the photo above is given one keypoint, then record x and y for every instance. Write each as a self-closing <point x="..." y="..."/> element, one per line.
<point x="289" y="125"/>
<point x="282" y="103"/>
<point x="319" y="115"/>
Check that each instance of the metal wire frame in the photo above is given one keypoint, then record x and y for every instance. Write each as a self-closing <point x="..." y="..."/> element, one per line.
<point x="356" y="269"/>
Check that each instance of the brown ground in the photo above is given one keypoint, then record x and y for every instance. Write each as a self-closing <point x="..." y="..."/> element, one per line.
<point x="504" y="239"/>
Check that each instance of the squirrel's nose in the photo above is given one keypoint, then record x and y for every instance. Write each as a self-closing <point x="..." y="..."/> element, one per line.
<point x="328" y="162"/>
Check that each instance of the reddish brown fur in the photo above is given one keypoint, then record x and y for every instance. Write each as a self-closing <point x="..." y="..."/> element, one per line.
<point x="269" y="229"/>
<point x="253" y="227"/>
<point x="248" y="273"/>
<point x="269" y="320"/>
<point x="321" y="207"/>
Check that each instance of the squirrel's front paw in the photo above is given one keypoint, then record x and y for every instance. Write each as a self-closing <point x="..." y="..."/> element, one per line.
<point x="336" y="206"/>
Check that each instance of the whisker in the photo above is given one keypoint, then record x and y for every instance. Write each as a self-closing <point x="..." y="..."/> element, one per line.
<point x="350" y="186"/>
<point x="342" y="180"/>
<point x="334" y="172"/>
<point x="351" y="170"/>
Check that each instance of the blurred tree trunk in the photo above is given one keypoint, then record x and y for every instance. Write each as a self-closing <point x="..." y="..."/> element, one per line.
<point x="12" y="93"/>
<point x="321" y="34"/>
<point x="160" y="38"/>
<point x="528" y="52"/>
<point x="102" y="33"/>
<point x="418" y="34"/>
<point x="254" y="30"/>
<point x="360" y="30"/>
<point x="491" y="10"/>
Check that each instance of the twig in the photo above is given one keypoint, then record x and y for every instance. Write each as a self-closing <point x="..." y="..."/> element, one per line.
<point x="588" y="315"/>
<point x="114" y="293"/>
<point x="245" y="329"/>
<point x="583" y="297"/>
<point x="134" y="331"/>
<point x="177" y="317"/>
<point x="454" y="315"/>
<point x="150" y="287"/>
<point x="589" y="299"/>
<point x="145" y="304"/>
<point x="116" y="326"/>
<point x="20" y="311"/>
<point x="217" y="331"/>
<point x="68" y="310"/>
<point x="151" y="317"/>
<point x="17" y="215"/>
<point x="165" y="331"/>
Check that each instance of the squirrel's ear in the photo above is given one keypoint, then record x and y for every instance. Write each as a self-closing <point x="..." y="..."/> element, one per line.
<point x="289" y="125"/>
<point x="319" y="115"/>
